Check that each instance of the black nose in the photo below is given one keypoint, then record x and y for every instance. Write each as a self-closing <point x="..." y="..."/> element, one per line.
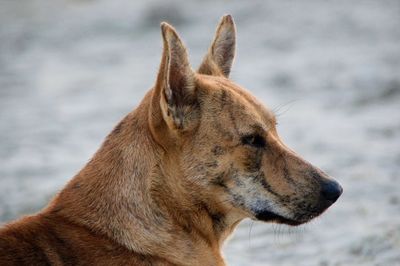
<point x="331" y="190"/>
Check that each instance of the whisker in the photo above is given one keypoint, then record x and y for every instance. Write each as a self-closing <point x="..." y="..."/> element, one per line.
<point x="277" y="110"/>
<point x="250" y="228"/>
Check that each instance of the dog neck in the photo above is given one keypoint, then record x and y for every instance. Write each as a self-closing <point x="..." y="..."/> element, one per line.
<point x="127" y="193"/>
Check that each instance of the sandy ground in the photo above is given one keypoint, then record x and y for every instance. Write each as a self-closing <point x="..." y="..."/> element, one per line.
<point x="69" y="70"/>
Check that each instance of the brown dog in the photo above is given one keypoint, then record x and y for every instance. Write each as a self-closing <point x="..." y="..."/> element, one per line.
<point x="175" y="176"/>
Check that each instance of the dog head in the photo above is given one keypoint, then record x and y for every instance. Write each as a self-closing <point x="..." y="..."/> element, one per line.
<point x="224" y="143"/>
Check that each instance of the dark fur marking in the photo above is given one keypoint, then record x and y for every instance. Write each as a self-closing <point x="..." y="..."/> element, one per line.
<point x="224" y="132"/>
<point x="224" y="99"/>
<point x="286" y="173"/>
<point x="217" y="218"/>
<point x="63" y="248"/>
<point x="187" y="228"/>
<point x="253" y="161"/>
<point x="212" y="164"/>
<point x="218" y="222"/>
<point x="316" y="177"/>
<point x="238" y="199"/>
<point x="29" y="252"/>
<point x="314" y="174"/>
<point x="218" y="150"/>
<point x="200" y="168"/>
<point x="219" y="180"/>
<point x="16" y="256"/>
<point x="233" y="119"/>
<point x="260" y="178"/>
<point x="38" y="255"/>
<point x="159" y="217"/>
<point x="237" y="179"/>
<point x="281" y="159"/>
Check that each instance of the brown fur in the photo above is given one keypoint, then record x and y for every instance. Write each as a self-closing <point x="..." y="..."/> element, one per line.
<point x="175" y="176"/>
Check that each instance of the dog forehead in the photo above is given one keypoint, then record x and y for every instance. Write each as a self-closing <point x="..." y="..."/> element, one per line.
<point x="226" y="96"/>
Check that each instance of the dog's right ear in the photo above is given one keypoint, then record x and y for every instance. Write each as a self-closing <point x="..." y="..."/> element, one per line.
<point x="174" y="101"/>
<point x="219" y="59"/>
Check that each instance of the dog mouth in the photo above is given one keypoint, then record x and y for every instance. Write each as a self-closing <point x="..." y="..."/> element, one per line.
<point x="301" y="216"/>
<point x="268" y="216"/>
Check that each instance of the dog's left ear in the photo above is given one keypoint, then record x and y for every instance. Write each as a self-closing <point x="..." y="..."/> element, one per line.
<point x="176" y="82"/>
<point x="219" y="59"/>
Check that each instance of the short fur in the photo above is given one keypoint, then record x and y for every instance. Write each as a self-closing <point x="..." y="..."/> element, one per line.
<point x="175" y="176"/>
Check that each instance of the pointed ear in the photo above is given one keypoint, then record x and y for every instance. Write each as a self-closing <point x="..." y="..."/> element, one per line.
<point x="175" y="82"/>
<point x="221" y="53"/>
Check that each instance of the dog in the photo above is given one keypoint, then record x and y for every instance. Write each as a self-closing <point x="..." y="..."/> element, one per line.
<point x="175" y="177"/>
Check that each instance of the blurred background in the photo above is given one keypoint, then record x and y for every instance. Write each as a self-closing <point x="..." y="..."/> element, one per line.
<point x="70" y="70"/>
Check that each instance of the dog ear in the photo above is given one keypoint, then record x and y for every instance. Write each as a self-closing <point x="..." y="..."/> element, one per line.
<point x="221" y="53"/>
<point x="175" y="81"/>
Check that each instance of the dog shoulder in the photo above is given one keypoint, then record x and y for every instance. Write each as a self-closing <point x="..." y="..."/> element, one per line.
<point x="51" y="240"/>
<point x="18" y="244"/>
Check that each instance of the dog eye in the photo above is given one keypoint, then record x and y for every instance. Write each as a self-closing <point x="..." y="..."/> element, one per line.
<point x="254" y="140"/>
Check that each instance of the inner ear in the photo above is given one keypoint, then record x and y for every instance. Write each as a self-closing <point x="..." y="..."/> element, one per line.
<point x="219" y="58"/>
<point x="176" y="81"/>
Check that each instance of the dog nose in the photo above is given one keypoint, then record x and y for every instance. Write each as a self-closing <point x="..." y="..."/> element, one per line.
<point x="331" y="190"/>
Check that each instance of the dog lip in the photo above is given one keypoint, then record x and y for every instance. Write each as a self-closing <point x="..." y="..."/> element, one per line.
<point x="268" y="216"/>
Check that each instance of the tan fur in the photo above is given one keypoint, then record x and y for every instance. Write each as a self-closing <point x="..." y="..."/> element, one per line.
<point x="175" y="176"/>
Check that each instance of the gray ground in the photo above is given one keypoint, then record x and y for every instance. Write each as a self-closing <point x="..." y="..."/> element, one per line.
<point x="69" y="70"/>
